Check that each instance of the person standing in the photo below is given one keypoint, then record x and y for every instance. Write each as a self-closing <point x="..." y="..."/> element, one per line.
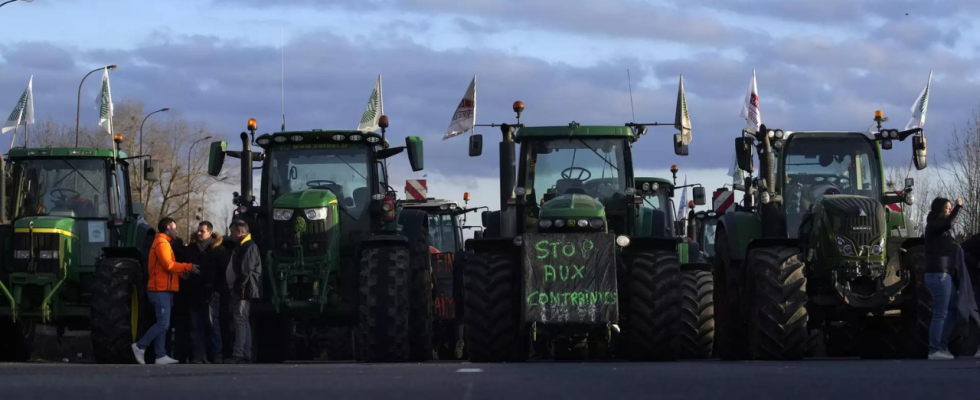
<point x="941" y="252"/>
<point x="207" y="251"/>
<point x="164" y="281"/>
<point x="244" y="277"/>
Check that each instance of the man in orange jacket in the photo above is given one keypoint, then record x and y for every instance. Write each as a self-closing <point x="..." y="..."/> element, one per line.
<point x="164" y="281"/>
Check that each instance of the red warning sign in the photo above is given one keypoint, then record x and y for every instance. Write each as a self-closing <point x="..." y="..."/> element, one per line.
<point x="415" y="189"/>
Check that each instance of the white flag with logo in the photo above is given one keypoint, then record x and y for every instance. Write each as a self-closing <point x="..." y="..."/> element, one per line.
<point x="919" y="107"/>
<point x="682" y="210"/>
<point x="105" y="103"/>
<point x="682" y="120"/>
<point x="375" y="108"/>
<point x="23" y="111"/>
<point x="750" y="110"/>
<point x="464" y="119"/>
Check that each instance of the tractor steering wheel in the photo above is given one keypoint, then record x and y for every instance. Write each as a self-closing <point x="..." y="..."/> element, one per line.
<point x="314" y="184"/>
<point x="567" y="174"/>
<point x="63" y="194"/>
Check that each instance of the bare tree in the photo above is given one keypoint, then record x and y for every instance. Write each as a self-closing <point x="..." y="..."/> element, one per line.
<point x="923" y="192"/>
<point x="960" y="175"/>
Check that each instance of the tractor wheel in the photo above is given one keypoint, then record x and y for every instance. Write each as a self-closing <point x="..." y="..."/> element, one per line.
<point x="420" y="292"/>
<point x="16" y="340"/>
<point x="653" y="299"/>
<point x="492" y="320"/>
<point x="730" y="335"/>
<point x="383" y="304"/>
<point x="917" y="311"/>
<point x="777" y="314"/>
<point x="115" y="310"/>
<point x="695" y="337"/>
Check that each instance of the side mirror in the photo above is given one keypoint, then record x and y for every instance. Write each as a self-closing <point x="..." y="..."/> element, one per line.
<point x="151" y="170"/>
<point x="484" y="218"/>
<point x="919" y="152"/>
<point x="909" y="182"/>
<point x="743" y="153"/>
<point x="679" y="227"/>
<point x="216" y="157"/>
<point x="478" y="235"/>
<point x="139" y="209"/>
<point x="699" y="198"/>
<point x="680" y="148"/>
<point x="476" y="145"/>
<point x="415" y="156"/>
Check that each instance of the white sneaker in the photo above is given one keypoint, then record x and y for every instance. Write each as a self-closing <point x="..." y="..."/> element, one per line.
<point x="166" y="360"/>
<point x="977" y="355"/>
<point x="139" y="354"/>
<point x="940" y="355"/>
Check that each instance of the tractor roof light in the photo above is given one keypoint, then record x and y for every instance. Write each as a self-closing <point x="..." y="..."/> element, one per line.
<point x="518" y="106"/>
<point x="252" y="125"/>
<point x="645" y="186"/>
<point x="296" y="138"/>
<point x="879" y="114"/>
<point x="673" y="169"/>
<point x="355" y="138"/>
<point x="338" y="137"/>
<point x="280" y="139"/>
<point x="383" y="121"/>
<point x="690" y="203"/>
<point x="655" y="187"/>
<point x="466" y="196"/>
<point x="263" y="140"/>
<point x="117" y="138"/>
<point x="630" y="191"/>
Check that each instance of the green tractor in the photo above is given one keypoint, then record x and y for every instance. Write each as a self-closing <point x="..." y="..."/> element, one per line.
<point x="814" y="258"/>
<point x="707" y="221"/>
<point x="74" y="250"/>
<point x="446" y="223"/>
<point x="656" y="218"/>
<point x="560" y="269"/>
<point x="345" y="267"/>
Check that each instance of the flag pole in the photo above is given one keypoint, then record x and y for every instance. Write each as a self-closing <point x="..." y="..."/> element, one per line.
<point x="27" y="135"/>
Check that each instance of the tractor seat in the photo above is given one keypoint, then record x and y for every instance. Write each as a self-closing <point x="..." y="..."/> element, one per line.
<point x="575" y="190"/>
<point x="564" y="185"/>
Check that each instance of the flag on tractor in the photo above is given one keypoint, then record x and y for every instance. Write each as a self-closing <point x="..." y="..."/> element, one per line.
<point x="682" y="120"/>
<point x="105" y="103"/>
<point x="750" y="110"/>
<point x="919" y="107"/>
<point x="464" y="119"/>
<point x="375" y="108"/>
<point x="23" y="111"/>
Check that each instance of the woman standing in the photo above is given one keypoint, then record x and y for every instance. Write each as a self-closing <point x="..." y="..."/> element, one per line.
<point x="940" y="254"/>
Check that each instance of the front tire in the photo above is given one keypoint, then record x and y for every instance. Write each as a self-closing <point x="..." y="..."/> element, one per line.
<point x="653" y="293"/>
<point x="778" y="316"/>
<point x="384" y="308"/>
<point x="115" y="310"/>
<point x="492" y="317"/>
<point x="420" y="300"/>
<point x="695" y="338"/>
<point x="917" y="312"/>
<point x="730" y="330"/>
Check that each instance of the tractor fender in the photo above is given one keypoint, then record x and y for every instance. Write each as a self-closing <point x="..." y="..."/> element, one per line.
<point x="411" y="223"/>
<point x="742" y="228"/>
<point x="652" y="243"/>
<point x="492" y="245"/>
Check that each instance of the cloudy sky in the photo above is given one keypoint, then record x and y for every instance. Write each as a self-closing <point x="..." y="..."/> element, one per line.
<point x="821" y="65"/>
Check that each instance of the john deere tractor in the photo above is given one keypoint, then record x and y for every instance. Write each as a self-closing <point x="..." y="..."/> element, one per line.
<point x="560" y="266"/>
<point x="339" y="252"/>
<point x="814" y="255"/>
<point x="656" y="217"/>
<point x="73" y="253"/>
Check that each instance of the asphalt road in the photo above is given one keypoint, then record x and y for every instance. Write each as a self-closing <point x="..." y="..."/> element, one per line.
<point x="812" y="379"/>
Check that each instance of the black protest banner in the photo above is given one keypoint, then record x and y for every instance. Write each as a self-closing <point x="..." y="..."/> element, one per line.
<point x="570" y="278"/>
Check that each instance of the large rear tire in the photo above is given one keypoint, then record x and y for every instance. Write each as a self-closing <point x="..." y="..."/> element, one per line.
<point x="653" y="299"/>
<point x="730" y="330"/>
<point x="384" y="306"/>
<point x="695" y="338"/>
<point x="420" y="300"/>
<point x="777" y="315"/>
<point x="492" y="317"/>
<point x="115" y="310"/>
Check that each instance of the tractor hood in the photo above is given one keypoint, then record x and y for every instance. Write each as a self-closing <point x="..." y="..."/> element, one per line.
<point x="309" y="198"/>
<point x="49" y="224"/>
<point x="573" y="206"/>
<point x="858" y="220"/>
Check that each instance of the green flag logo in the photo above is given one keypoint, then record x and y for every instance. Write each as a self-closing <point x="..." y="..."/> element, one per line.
<point x="372" y="108"/>
<point x="19" y="110"/>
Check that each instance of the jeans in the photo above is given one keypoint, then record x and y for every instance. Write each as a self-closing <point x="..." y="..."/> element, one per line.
<point x="243" y="330"/>
<point x="214" y="314"/>
<point x="943" y="310"/>
<point x="162" y="303"/>
<point x="201" y="330"/>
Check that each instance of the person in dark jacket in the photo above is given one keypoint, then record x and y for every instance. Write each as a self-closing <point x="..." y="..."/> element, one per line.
<point x="244" y="278"/>
<point x="205" y="250"/>
<point x="941" y="252"/>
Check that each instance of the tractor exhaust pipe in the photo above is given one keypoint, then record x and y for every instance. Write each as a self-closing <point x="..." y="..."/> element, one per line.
<point x="3" y="190"/>
<point x="508" y="178"/>
<point x="246" y="172"/>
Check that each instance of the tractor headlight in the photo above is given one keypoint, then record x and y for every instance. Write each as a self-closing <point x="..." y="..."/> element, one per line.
<point x="262" y="141"/>
<point x="559" y="223"/>
<point x="878" y="248"/>
<point x="655" y="187"/>
<point x="909" y="198"/>
<point x="316" y="214"/>
<point x="49" y="254"/>
<point x="845" y="247"/>
<point x="645" y="187"/>
<point x="583" y="223"/>
<point x="338" y="137"/>
<point x="355" y="138"/>
<point x="630" y="191"/>
<point x="519" y="191"/>
<point x="373" y="139"/>
<point x="296" y="138"/>
<point x="282" y="214"/>
<point x="765" y="197"/>
<point x="22" y="254"/>
<point x="544" y="223"/>
<point x="518" y="240"/>
<point x="622" y="240"/>
<point x="597" y="223"/>
<point x="280" y="139"/>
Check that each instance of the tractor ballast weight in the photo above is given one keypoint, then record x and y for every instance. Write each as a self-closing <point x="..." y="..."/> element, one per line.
<point x="811" y="254"/>
<point x="346" y="270"/>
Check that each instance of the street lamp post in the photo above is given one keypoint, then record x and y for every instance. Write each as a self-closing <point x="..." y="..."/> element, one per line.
<point x="141" y="172"/>
<point x="190" y="153"/>
<point x="11" y="1"/>
<point x="78" y="111"/>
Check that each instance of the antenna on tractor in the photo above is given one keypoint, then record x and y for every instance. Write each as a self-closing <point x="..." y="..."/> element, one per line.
<point x="282" y="74"/>
<point x="629" y="81"/>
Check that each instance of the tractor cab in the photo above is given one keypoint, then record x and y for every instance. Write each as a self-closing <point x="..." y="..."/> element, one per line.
<point x="656" y="216"/>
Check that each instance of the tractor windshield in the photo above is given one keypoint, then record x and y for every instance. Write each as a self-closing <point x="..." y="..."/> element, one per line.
<point x="577" y="166"/>
<point x="442" y="229"/>
<point x="818" y="165"/>
<point x="74" y="188"/>
<point x="345" y="172"/>
<point x="708" y="237"/>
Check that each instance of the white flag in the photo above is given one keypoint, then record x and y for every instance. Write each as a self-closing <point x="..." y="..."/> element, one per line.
<point x="919" y="107"/>
<point x="23" y="111"/>
<point x="750" y="110"/>
<point x="375" y="108"/>
<point x="735" y="172"/>
<point x="105" y="105"/>
<point x="464" y="119"/>
<point x="682" y="120"/>
<point x="682" y="210"/>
